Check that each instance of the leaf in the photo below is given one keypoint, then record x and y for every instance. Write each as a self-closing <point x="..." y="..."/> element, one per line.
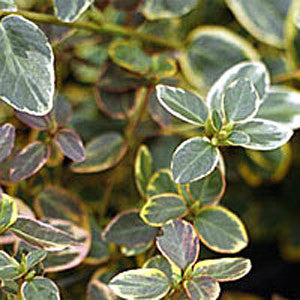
<point x="143" y="169"/>
<point x="241" y="101"/>
<point x="210" y="189"/>
<point x="35" y="257"/>
<point x="150" y="284"/>
<point x="70" y="144"/>
<point x="8" y="5"/>
<point x="182" y="104"/>
<point x="161" y="182"/>
<point x="164" y="9"/>
<point x="193" y="160"/>
<point x="102" y="153"/>
<point x="263" y="19"/>
<point x="203" y="65"/>
<point x="40" y="288"/>
<point x="8" y="212"/>
<point x="9" y="267"/>
<point x="221" y="230"/>
<point x="129" y="56"/>
<point x="161" y="208"/>
<point x="202" y="288"/>
<point x="26" y="66"/>
<point x="134" y="251"/>
<point x="264" y="134"/>
<point x="179" y="243"/>
<point x="70" y="10"/>
<point x="223" y="269"/>
<point x="255" y="72"/>
<point x="163" y="66"/>
<point x="238" y="138"/>
<point x="128" y="229"/>
<point x="42" y="235"/>
<point x="29" y="161"/>
<point x="283" y="106"/>
<point x="97" y="290"/>
<point x="7" y="140"/>
<point x="61" y="112"/>
<point x="35" y="122"/>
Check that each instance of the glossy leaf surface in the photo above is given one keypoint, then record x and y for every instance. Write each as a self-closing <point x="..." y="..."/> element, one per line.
<point x="8" y="212"/>
<point x="9" y="267"/>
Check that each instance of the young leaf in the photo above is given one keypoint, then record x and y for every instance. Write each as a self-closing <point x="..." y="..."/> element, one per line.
<point x="223" y="269"/>
<point x="102" y="153"/>
<point x="7" y="140"/>
<point x="179" y="243"/>
<point x="202" y="66"/>
<point x="193" y="160"/>
<point x="8" y="212"/>
<point x="34" y="257"/>
<point x="128" y="229"/>
<point x="182" y="104"/>
<point x="70" y="144"/>
<point x="163" y="66"/>
<point x="29" y="161"/>
<point x="42" y="235"/>
<point x="150" y="284"/>
<point x="221" y="230"/>
<point x="70" y="10"/>
<point x="161" y="208"/>
<point x="264" y="134"/>
<point x="238" y="138"/>
<point x="255" y="72"/>
<point x="97" y="290"/>
<point x="8" y="5"/>
<point x="282" y="106"/>
<point x="9" y="267"/>
<point x="240" y="101"/>
<point x="26" y="66"/>
<point x="129" y="56"/>
<point x="161" y="182"/>
<point x="40" y="288"/>
<point x="143" y="169"/>
<point x="202" y="288"/>
<point x="164" y="9"/>
<point x="263" y="19"/>
<point x="35" y="122"/>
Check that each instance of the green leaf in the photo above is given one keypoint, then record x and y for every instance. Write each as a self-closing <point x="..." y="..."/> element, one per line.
<point x="134" y="251"/>
<point x="163" y="66"/>
<point x="238" y="138"/>
<point x="7" y="140"/>
<point x="179" y="243"/>
<point x="217" y="121"/>
<point x="128" y="229"/>
<point x="210" y="189"/>
<point x="164" y="9"/>
<point x="171" y="270"/>
<point x="29" y="161"/>
<point x="161" y="182"/>
<point x="193" y="160"/>
<point x="255" y="72"/>
<point x="161" y="208"/>
<point x="35" y="257"/>
<point x="42" y="235"/>
<point x="9" y="267"/>
<point x="150" y="284"/>
<point x="102" y="153"/>
<point x="263" y="19"/>
<point x="202" y="288"/>
<point x="241" y="101"/>
<point x="221" y="230"/>
<point x="26" y="66"/>
<point x="143" y="169"/>
<point x="70" y="10"/>
<point x="97" y="290"/>
<point x="223" y="269"/>
<point x="203" y="65"/>
<point x="8" y="212"/>
<point x="283" y="106"/>
<point x="264" y="134"/>
<point x="182" y="104"/>
<point x="129" y="56"/>
<point x="8" y="5"/>
<point x="40" y="288"/>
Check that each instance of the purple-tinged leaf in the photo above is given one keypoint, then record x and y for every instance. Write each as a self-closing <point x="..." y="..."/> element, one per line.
<point x="7" y="140"/>
<point x="179" y="243"/>
<point x="35" y="122"/>
<point x="70" y="144"/>
<point x="29" y="161"/>
<point x="62" y="112"/>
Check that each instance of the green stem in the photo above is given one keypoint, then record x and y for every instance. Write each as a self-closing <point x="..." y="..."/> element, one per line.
<point x="112" y="29"/>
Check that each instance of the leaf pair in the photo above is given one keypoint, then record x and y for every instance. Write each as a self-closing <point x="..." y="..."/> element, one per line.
<point x="228" y="117"/>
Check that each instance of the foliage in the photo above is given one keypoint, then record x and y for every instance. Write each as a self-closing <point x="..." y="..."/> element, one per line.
<point x="157" y="104"/>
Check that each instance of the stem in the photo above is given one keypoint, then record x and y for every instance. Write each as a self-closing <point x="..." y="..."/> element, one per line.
<point x="112" y="29"/>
